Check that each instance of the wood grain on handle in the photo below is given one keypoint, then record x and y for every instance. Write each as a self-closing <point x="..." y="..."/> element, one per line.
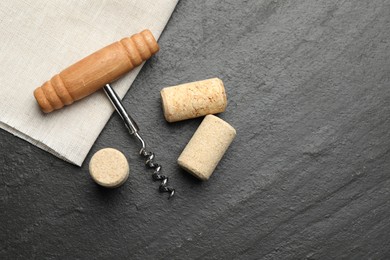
<point x="94" y="71"/>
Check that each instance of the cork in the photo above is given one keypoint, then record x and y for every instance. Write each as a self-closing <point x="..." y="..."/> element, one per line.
<point x="206" y="148"/>
<point x="109" y="168"/>
<point x="193" y="99"/>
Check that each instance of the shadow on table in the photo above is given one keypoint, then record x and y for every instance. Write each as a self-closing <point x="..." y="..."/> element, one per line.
<point x="108" y="194"/>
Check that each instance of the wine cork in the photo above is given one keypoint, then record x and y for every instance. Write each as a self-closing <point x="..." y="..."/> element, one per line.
<point x="94" y="71"/>
<point x="193" y="99"/>
<point x="109" y="168"/>
<point x="206" y="147"/>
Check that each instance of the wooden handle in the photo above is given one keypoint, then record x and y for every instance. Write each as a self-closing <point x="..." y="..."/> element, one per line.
<point x="94" y="71"/>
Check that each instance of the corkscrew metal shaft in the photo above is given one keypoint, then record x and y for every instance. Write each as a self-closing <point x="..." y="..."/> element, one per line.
<point x="134" y="130"/>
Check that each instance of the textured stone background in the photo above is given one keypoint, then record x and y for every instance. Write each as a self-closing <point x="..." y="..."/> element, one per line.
<point x="308" y="85"/>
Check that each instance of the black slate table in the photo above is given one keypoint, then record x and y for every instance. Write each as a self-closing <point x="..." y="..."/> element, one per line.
<point x="307" y="177"/>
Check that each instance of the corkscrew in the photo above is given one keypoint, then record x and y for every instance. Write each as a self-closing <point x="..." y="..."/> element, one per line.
<point x="134" y="130"/>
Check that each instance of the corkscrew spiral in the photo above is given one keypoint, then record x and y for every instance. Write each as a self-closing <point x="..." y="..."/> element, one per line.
<point x="157" y="176"/>
<point x="134" y="130"/>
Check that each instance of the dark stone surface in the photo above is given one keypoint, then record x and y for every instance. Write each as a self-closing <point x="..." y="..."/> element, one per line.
<point x="307" y="177"/>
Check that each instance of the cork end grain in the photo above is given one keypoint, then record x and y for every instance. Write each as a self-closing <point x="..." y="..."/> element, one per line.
<point x="109" y="168"/>
<point x="206" y="148"/>
<point x="189" y="167"/>
<point x="166" y="107"/>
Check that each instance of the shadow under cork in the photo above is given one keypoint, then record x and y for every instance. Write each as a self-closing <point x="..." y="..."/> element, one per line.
<point x="188" y="178"/>
<point x="109" y="195"/>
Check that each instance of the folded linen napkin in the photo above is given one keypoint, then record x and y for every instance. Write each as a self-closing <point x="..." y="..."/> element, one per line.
<point x="39" y="39"/>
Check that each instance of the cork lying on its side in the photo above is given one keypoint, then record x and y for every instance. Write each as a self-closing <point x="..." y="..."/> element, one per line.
<point x="109" y="168"/>
<point x="193" y="99"/>
<point x="206" y="147"/>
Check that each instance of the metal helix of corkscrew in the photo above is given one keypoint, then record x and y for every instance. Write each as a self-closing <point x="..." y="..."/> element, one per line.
<point x="134" y="130"/>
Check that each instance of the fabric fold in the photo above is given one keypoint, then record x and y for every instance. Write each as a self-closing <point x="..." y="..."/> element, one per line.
<point x="41" y="38"/>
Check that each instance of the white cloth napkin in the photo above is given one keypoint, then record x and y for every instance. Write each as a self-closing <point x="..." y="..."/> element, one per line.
<point x="39" y="38"/>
